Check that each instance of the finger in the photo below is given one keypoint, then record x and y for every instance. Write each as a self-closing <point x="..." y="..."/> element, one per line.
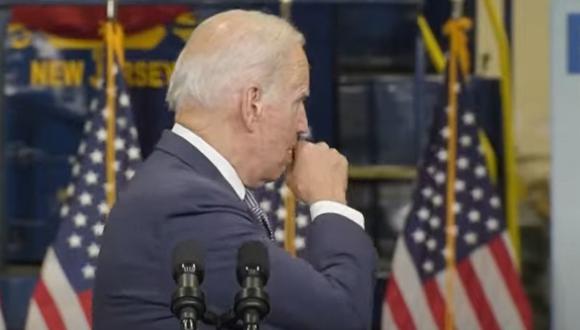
<point x="323" y="145"/>
<point x="300" y="145"/>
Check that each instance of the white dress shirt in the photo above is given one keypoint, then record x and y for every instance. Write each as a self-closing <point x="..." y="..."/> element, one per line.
<point x="229" y="173"/>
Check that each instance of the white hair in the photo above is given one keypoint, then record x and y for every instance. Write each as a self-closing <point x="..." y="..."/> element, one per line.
<point x="252" y="53"/>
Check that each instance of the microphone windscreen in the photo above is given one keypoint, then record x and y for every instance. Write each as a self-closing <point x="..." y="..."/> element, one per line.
<point x="188" y="253"/>
<point x="253" y="255"/>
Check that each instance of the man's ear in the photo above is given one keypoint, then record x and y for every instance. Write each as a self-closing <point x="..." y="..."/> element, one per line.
<point x="252" y="107"/>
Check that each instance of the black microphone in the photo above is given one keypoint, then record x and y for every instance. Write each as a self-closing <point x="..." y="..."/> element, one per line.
<point x="188" y="301"/>
<point x="252" y="303"/>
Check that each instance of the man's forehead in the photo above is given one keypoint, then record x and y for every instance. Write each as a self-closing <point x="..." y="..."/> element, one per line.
<point x="300" y="66"/>
<point x="300" y="80"/>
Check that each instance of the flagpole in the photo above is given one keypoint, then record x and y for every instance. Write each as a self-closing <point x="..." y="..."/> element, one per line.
<point x="289" y="198"/>
<point x="112" y="10"/>
<point x="450" y="191"/>
<point x="453" y="29"/>
<point x="457" y="8"/>
<point x="286" y="9"/>
<point x="109" y="36"/>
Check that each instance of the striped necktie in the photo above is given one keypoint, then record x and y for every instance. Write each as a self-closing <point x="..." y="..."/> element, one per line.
<point x="258" y="213"/>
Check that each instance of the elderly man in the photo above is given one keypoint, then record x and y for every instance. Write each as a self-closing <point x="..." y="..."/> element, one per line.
<point x="238" y="91"/>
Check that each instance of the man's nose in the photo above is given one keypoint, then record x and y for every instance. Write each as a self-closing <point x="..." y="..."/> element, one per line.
<point x="303" y="127"/>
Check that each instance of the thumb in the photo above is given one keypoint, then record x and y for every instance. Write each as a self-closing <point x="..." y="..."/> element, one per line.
<point x="291" y="169"/>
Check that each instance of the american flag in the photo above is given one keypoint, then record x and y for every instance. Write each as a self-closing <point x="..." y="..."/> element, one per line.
<point x="62" y="297"/>
<point x="271" y="198"/>
<point x="486" y="292"/>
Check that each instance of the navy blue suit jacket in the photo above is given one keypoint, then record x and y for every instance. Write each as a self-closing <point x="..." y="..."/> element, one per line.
<point x="176" y="195"/>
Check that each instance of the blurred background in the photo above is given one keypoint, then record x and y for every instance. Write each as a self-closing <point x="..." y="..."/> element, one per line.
<point x="377" y="83"/>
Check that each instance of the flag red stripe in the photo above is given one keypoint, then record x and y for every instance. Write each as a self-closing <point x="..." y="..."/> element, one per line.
<point x="47" y="307"/>
<point x="476" y="295"/>
<point x="399" y="310"/>
<point x="86" y="299"/>
<point x="511" y="277"/>
<point x="436" y="302"/>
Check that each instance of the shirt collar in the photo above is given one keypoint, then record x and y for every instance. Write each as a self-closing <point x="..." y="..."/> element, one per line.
<point x="224" y="167"/>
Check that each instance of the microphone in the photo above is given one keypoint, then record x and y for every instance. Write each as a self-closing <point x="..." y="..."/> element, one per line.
<point x="252" y="303"/>
<point x="188" y="301"/>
